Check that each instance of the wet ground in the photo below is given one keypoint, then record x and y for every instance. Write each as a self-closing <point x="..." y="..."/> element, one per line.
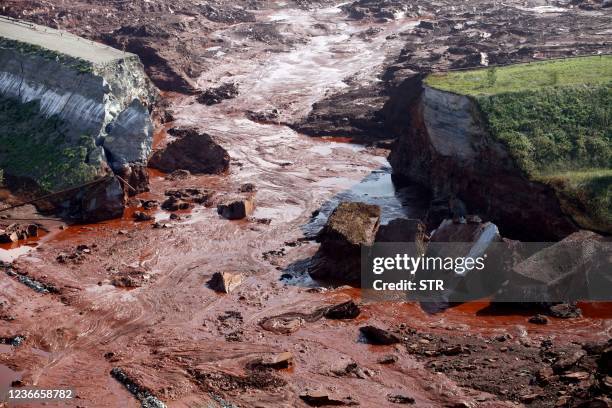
<point x="188" y="345"/>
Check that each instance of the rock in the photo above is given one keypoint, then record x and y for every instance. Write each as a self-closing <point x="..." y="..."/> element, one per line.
<point x="189" y="195"/>
<point x="346" y="310"/>
<point x="321" y="398"/>
<point x="130" y="137"/>
<point x="236" y="208"/>
<point x="576" y="376"/>
<point x="248" y="188"/>
<point x="350" y="225"/>
<point x="141" y="216"/>
<point x="102" y="201"/>
<point x="578" y="267"/>
<point x="538" y="319"/>
<point x="452" y="350"/>
<point x="276" y="361"/>
<point x="175" y="204"/>
<point x="130" y="278"/>
<point x="387" y="359"/>
<point x="465" y="240"/>
<point x="225" y="282"/>
<point x="8" y="237"/>
<point x="565" y="311"/>
<point x="213" y="96"/>
<point x="282" y="324"/>
<point x="604" y="362"/>
<point x="32" y="230"/>
<point x="179" y="174"/>
<point x="544" y="375"/>
<point x="375" y="335"/>
<point x="137" y="178"/>
<point x="349" y="368"/>
<point x="400" y="399"/>
<point x="195" y="152"/>
<point x="428" y="25"/>
<point x="567" y="362"/>
<point x="149" y="204"/>
<point x="529" y="398"/>
<point x="101" y="123"/>
<point x="267" y="116"/>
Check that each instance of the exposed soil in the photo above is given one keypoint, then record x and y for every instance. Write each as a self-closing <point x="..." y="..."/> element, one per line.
<point x="131" y="316"/>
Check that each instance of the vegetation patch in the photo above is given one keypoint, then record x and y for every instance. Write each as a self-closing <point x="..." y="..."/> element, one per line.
<point x="586" y="195"/>
<point x="36" y="147"/>
<point x="595" y="70"/>
<point x="555" y="118"/>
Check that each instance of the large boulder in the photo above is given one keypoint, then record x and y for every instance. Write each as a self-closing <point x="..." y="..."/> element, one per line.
<point x="192" y="151"/>
<point x="463" y="241"/>
<point x="351" y="225"/>
<point x="102" y="201"/>
<point x="236" y="208"/>
<point x="576" y="268"/>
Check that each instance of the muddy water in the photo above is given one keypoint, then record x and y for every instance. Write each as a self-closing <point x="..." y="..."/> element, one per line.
<point x="163" y="330"/>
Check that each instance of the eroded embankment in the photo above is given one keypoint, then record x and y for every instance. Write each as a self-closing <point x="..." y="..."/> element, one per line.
<point x="453" y="144"/>
<point x="72" y="111"/>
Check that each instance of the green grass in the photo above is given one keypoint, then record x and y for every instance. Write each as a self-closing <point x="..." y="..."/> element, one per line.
<point x="586" y="195"/>
<point x="555" y="119"/>
<point x="553" y="129"/>
<point x="36" y="147"/>
<point x="595" y="70"/>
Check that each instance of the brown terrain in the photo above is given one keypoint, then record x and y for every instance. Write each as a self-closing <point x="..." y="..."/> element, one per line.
<point x="127" y="313"/>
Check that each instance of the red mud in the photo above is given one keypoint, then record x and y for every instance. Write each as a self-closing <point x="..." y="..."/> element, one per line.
<point x="190" y="346"/>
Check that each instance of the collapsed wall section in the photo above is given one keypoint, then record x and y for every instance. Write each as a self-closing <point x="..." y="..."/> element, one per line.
<point x="72" y="110"/>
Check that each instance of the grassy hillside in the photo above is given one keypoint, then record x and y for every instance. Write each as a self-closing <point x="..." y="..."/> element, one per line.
<point x="556" y="120"/>
<point x="526" y="77"/>
<point x="33" y="146"/>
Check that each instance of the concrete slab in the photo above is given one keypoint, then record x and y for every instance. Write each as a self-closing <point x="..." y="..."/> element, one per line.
<point x="59" y="41"/>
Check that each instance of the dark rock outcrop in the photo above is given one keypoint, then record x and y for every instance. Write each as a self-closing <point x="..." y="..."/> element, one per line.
<point x="350" y="225"/>
<point x="444" y="146"/>
<point x="576" y="268"/>
<point x="195" y="152"/>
